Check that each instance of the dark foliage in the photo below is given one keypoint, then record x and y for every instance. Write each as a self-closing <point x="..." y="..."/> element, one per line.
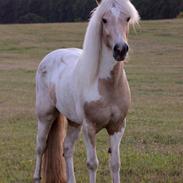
<point x="31" y="18"/>
<point x="161" y="9"/>
<point x="34" y="11"/>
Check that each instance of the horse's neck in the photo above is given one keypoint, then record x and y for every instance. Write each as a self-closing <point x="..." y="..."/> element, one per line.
<point x="96" y="61"/>
<point x="108" y="67"/>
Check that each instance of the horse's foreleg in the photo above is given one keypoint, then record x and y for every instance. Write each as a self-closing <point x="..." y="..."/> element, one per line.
<point x="42" y="134"/>
<point x="114" y="151"/>
<point x="92" y="161"/>
<point x="70" y="139"/>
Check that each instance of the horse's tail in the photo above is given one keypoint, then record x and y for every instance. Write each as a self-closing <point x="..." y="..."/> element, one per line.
<point x="54" y="170"/>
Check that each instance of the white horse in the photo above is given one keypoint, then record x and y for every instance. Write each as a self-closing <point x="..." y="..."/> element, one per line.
<point x="89" y="89"/>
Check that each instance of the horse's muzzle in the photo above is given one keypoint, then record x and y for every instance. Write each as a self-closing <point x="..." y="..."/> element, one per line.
<point x="120" y="51"/>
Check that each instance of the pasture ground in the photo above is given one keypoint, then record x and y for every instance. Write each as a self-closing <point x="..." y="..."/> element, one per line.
<point x="152" y="147"/>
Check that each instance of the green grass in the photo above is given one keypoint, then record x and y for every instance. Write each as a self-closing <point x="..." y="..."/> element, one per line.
<point x="152" y="147"/>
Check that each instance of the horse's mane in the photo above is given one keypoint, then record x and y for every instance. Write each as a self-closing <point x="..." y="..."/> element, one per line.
<point x="92" y="42"/>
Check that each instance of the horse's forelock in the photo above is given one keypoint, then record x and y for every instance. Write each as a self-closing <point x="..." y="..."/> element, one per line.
<point x="125" y="6"/>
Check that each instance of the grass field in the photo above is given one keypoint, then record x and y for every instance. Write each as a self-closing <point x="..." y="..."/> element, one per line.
<point x="152" y="148"/>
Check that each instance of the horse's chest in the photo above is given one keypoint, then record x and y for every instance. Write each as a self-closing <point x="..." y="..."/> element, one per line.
<point x="110" y="109"/>
<point x="104" y="114"/>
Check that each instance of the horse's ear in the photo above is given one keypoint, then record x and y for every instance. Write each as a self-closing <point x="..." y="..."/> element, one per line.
<point x="98" y="1"/>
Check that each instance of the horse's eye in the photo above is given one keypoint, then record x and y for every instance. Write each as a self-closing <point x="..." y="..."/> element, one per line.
<point x="104" y="20"/>
<point x="128" y="19"/>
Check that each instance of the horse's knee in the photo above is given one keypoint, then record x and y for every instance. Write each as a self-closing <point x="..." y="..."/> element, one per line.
<point x="68" y="151"/>
<point x="92" y="164"/>
<point x="41" y="145"/>
<point x="115" y="165"/>
<point x="40" y="149"/>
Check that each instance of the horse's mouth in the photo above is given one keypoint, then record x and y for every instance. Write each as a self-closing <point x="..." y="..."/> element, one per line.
<point x="119" y="58"/>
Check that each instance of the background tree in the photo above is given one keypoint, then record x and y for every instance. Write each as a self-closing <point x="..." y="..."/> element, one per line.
<point x="15" y="11"/>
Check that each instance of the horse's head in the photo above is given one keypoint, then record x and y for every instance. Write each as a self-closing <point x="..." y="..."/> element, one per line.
<point x="115" y="21"/>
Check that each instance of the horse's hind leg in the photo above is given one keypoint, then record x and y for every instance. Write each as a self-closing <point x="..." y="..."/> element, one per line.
<point x="44" y="125"/>
<point x="73" y="131"/>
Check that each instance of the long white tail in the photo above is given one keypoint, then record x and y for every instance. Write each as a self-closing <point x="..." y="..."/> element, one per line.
<point x="54" y="170"/>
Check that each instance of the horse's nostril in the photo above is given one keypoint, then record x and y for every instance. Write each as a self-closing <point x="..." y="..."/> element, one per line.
<point x="117" y="48"/>
<point x="126" y="48"/>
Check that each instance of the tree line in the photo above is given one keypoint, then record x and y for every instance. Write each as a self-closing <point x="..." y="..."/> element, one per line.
<point x="34" y="11"/>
